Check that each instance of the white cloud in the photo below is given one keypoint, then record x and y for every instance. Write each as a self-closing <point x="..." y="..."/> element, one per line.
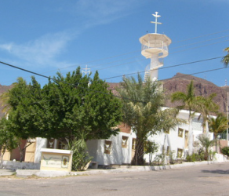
<point x="41" y="51"/>
<point x="44" y="51"/>
<point x="104" y="11"/>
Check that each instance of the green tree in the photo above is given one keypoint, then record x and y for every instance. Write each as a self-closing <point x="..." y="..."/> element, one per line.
<point x="80" y="107"/>
<point x="4" y="97"/>
<point x="206" y="106"/>
<point x="7" y="139"/>
<point x="206" y="143"/>
<point x="218" y="125"/>
<point x="225" y="59"/>
<point x="150" y="148"/>
<point x="142" y="103"/>
<point x="67" y="107"/>
<point x="188" y="101"/>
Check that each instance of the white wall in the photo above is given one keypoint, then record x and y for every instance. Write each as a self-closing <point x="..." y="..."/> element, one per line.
<point x="118" y="155"/>
<point x="121" y="155"/>
<point x="40" y="143"/>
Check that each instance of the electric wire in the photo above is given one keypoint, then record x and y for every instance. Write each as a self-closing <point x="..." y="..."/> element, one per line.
<point x="25" y="70"/>
<point x="134" y="51"/>
<point x="166" y="67"/>
<point x="201" y="36"/>
<point x="198" y="46"/>
<point x="122" y="54"/>
<point x="201" y="42"/>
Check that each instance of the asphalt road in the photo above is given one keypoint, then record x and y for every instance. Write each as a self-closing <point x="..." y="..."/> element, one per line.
<point x="189" y="181"/>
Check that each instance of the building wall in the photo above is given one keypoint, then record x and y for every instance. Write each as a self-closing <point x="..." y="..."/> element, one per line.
<point x="117" y="153"/>
<point x="40" y="143"/>
<point x="30" y="152"/>
<point x="123" y="154"/>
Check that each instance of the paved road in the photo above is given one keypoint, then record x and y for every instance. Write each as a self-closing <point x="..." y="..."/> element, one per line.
<point x="190" y="181"/>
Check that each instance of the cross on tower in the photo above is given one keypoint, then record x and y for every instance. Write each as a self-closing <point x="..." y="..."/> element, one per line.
<point x="156" y="23"/>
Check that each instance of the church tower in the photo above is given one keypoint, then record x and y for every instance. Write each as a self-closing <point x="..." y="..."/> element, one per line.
<point x="155" y="47"/>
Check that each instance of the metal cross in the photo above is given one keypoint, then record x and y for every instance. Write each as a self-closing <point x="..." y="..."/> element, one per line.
<point x="156" y="23"/>
<point x="86" y="70"/>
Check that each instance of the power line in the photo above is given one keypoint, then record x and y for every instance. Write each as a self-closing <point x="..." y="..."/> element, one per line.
<point x="198" y="47"/>
<point x="167" y="67"/>
<point x="25" y="70"/>
<point x="146" y="59"/>
<point x="210" y="70"/>
<point x="123" y="54"/>
<point x="201" y="36"/>
<point x="201" y="41"/>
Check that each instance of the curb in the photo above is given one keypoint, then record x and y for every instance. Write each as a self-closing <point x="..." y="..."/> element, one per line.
<point x="25" y="173"/>
<point x="144" y="168"/>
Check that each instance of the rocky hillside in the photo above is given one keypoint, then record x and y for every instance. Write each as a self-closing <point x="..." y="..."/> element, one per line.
<point x="202" y="87"/>
<point x="178" y="83"/>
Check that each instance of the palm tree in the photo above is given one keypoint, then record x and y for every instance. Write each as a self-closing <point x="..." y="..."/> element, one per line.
<point x="188" y="101"/>
<point x="206" y="143"/>
<point x="225" y="59"/>
<point x="142" y="103"/>
<point x="205" y="106"/>
<point x="218" y="125"/>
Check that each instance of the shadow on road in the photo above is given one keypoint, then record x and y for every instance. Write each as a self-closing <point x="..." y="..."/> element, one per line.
<point x="216" y="171"/>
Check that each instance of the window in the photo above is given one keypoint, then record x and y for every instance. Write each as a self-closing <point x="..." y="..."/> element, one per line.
<point x="179" y="152"/>
<point x="124" y="141"/>
<point x="180" y="132"/>
<point x="107" y="147"/>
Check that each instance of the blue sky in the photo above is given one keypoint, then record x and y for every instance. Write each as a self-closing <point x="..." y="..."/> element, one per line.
<point x="47" y="36"/>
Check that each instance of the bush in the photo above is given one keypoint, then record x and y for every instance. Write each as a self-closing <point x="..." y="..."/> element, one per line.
<point x="150" y="148"/>
<point x="196" y="156"/>
<point x="80" y="157"/>
<point x="225" y="150"/>
<point x="191" y="158"/>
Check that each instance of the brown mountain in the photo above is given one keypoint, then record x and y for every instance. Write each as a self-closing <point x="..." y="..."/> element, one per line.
<point x="177" y="83"/>
<point x="202" y="88"/>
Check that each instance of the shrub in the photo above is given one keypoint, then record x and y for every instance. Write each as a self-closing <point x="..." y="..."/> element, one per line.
<point x="200" y="156"/>
<point x="150" y="148"/>
<point x="80" y="157"/>
<point x="191" y="158"/>
<point x="225" y="150"/>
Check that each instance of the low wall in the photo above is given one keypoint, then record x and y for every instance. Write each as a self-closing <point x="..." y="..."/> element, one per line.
<point x="20" y="165"/>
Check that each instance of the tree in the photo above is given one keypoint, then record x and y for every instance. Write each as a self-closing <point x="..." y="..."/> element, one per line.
<point x="206" y="143"/>
<point x="218" y="125"/>
<point x="142" y="103"/>
<point x="67" y="107"/>
<point x="188" y="101"/>
<point x="225" y="59"/>
<point x="7" y="139"/>
<point x="4" y="97"/>
<point x="205" y="106"/>
<point x="150" y="148"/>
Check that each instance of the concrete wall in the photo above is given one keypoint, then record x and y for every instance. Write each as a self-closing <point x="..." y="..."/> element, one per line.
<point x="118" y="153"/>
<point x="123" y="155"/>
<point x="40" y="143"/>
